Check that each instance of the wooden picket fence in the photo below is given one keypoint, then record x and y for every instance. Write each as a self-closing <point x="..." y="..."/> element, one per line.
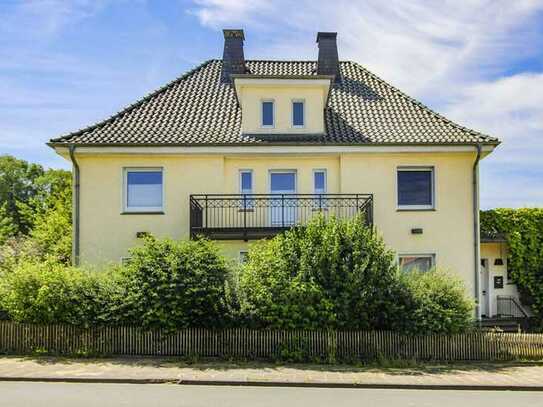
<point x="250" y="344"/>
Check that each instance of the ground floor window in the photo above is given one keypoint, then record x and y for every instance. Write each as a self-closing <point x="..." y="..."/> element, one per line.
<point x="421" y="262"/>
<point x="243" y="256"/>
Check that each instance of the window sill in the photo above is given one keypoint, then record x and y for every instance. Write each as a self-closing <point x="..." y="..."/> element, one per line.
<point x="143" y="213"/>
<point x="415" y="209"/>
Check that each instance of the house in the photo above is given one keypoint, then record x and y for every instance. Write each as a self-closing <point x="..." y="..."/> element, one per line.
<point x="239" y="150"/>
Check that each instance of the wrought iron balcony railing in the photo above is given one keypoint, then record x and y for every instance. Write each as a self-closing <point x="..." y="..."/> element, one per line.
<point x="256" y="216"/>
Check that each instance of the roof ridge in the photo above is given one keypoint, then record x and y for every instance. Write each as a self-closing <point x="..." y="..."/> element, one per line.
<point x="282" y="60"/>
<point x="415" y="101"/>
<point x="132" y="106"/>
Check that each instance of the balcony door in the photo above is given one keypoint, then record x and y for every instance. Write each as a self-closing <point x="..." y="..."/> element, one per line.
<point x="283" y="208"/>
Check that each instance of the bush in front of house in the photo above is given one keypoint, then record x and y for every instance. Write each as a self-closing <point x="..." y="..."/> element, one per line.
<point x="338" y="274"/>
<point x="437" y="303"/>
<point x="175" y="284"/>
<point x="330" y="274"/>
<point x="52" y="293"/>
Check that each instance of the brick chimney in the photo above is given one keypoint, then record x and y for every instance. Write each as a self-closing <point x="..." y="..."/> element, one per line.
<point x="328" y="62"/>
<point x="233" y="60"/>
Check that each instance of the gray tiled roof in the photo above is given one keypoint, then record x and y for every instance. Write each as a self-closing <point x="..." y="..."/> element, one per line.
<point x="197" y="109"/>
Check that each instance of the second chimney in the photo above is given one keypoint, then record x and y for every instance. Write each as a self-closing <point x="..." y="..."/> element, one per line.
<point x="328" y="62"/>
<point x="233" y="60"/>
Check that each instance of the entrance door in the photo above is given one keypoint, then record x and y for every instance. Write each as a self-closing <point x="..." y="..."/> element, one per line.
<point x="485" y="289"/>
<point x="283" y="208"/>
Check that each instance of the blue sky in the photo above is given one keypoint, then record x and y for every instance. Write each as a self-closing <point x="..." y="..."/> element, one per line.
<point x="66" y="64"/>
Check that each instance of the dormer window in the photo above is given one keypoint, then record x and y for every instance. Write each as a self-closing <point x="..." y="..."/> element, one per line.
<point x="268" y="113"/>
<point x="298" y="113"/>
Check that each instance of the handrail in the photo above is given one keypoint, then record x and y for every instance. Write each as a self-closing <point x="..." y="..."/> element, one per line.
<point x="504" y="304"/>
<point x="253" y="216"/>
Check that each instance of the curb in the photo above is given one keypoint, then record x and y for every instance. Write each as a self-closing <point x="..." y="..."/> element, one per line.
<point x="248" y="383"/>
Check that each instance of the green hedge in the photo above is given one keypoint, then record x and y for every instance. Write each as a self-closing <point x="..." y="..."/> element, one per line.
<point x="169" y="284"/>
<point x="338" y="274"/>
<point x="331" y="274"/>
<point x="48" y="293"/>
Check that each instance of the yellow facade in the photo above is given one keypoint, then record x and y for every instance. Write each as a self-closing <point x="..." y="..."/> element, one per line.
<point x="106" y="234"/>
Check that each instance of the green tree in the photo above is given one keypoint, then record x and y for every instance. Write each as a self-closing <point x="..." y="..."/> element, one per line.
<point x="36" y="211"/>
<point x="7" y="226"/>
<point x="18" y="185"/>
<point x="52" y="232"/>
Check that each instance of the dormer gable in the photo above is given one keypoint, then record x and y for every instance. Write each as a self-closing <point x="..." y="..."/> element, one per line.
<point x="282" y="105"/>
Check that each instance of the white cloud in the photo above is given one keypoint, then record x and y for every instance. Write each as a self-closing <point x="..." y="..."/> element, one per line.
<point x="510" y="108"/>
<point x="416" y="45"/>
<point x="41" y="19"/>
<point x="216" y="13"/>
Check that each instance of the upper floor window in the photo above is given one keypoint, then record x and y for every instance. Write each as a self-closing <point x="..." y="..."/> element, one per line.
<point x="143" y="190"/>
<point x="416" y="188"/>
<point x="268" y="113"/>
<point x="246" y="181"/>
<point x="246" y="187"/>
<point x="319" y="181"/>
<point x="298" y="113"/>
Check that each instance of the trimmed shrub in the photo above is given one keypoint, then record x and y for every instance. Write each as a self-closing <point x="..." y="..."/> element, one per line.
<point x="329" y="274"/>
<point x="50" y="293"/>
<point x="169" y="284"/>
<point x="437" y="303"/>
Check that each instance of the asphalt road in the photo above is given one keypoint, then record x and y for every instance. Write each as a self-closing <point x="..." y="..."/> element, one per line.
<point x="16" y="394"/>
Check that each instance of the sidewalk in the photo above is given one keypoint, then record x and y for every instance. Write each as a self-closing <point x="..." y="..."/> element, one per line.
<point x="506" y="376"/>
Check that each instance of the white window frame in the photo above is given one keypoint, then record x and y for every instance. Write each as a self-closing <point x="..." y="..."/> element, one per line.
<point x="302" y="101"/>
<point x="432" y="206"/>
<point x="138" y="209"/>
<point x="262" y="125"/>
<point x="283" y="171"/>
<point x="323" y="170"/>
<point x="246" y="171"/>
<point x="432" y="256"/>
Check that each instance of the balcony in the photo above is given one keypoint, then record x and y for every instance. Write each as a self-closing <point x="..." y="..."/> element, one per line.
<point x="257" y="216"/>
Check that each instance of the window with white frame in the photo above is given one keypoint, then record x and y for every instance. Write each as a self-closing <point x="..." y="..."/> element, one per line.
<point x="268" y="113"/>
<point x="420" y="262"/>
<point x="246" y="187"/>
<point x="416" y="189"/>
<point x="298" y="113"/>
<point x="319" y="188"/>
<point x="143" y="190"/>
<point x="319" y="181"/>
